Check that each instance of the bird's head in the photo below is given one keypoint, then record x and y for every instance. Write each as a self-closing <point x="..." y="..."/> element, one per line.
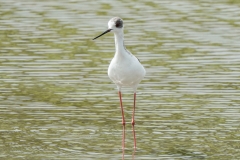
<point x="115" y="25"/>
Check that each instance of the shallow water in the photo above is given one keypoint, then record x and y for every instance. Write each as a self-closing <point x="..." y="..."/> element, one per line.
<point x="57" y="102"/>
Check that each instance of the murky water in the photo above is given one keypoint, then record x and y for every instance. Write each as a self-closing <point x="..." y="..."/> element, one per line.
<point x="57" y="102"/>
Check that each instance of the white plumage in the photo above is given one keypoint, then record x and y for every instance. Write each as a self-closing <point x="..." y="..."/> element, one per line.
<point x="124" y="69"/>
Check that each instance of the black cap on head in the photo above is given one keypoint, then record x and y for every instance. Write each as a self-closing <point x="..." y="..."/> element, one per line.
<point x="118" y="22"/>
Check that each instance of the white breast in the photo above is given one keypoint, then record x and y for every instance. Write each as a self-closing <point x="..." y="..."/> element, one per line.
<point x="127" y="71"/>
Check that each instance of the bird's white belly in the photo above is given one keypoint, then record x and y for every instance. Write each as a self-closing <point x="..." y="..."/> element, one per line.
<point x="126" y="74"/>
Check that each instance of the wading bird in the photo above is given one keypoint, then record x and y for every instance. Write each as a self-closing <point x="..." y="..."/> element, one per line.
<point x="124" y="69"/>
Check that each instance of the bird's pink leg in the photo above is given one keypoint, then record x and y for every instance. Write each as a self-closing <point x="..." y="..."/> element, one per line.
<point x="120" y="97"/>
<point x="133" y="121"/>
<point x="123" y="122"/>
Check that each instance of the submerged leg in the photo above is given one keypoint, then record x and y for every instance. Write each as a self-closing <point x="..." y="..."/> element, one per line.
<point x="133" y="121"/>
<point x="123" y="122"/>
<point x="123" y="142"/>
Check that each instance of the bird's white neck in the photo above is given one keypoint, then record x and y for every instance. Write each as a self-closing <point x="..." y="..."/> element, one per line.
<point x="119" y="45"/>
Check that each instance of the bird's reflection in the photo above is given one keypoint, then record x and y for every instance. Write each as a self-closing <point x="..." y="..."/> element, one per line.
<point x="123" y="142"/>
<point x="133" y="154"/>
<point x="134" y="138"/>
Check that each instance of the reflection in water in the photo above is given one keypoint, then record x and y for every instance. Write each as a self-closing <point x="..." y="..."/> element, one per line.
<point x="123" y="141"/>
<point x="135" y="143"/>
<point x="133" y="153"/>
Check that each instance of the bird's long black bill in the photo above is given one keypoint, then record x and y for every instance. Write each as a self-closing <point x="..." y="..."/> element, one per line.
<point x="102" y="34"/>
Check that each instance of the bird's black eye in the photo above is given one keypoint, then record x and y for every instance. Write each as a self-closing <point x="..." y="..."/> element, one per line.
<point x="119" y="23"/>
